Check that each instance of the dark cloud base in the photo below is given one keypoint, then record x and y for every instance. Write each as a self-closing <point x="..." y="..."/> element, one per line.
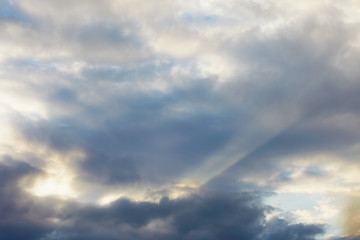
<point x="203" y="215"/>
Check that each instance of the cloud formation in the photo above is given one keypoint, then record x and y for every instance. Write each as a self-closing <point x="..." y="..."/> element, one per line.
<point x="203" y="215"/>
<point x="177" y="120"/>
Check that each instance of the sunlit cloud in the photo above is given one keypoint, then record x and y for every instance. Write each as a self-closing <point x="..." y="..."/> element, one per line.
<point x="179" y="120"/>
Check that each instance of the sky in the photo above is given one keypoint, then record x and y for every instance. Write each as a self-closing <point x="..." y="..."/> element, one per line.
<point x="181" y="120"/>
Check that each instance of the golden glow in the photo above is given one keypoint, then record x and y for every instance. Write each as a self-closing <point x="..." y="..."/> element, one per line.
<point x="58" y="177"/>
<point x="24" y="104"/>
<point x="57" y="172"/>
<point x="351" y="216"/>
<point x="108" y="199"/>
<point x="173" y="192"/>
<point x="54" y="184"/>
<point x="181" y="190"/>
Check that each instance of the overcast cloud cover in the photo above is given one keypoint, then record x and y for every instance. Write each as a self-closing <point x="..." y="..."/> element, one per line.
<point x="182" y="120"/>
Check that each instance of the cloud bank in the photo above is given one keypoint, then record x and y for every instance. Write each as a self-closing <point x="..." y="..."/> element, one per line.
<point x="204" y="215"/>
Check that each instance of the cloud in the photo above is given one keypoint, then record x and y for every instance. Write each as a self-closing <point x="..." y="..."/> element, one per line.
<point x="132" y="100"/>
<point x="346" y="238"/>
<point x="18" y="218"/>
<point x="210" y="215"/>
<point x="10" y="12"/>
<point x="279" y="229"/>
<point x="350" y="217"/>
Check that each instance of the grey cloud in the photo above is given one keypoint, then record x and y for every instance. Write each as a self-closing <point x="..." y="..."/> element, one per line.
<point x="135" y="135"/>
<point x="109" y="43"/>
<point x="203" y="215"/>
<point x="302" y="139"/>
<point x="17" y="220"/>
<point x="79" y="36"/>
<point x="279" y="229"/>
<point x="295" y="81"/>
<point x="119" y="152"/>
<point x="293" y="69"/>
<point x="315" y="171"/>
<point x="143" y="72"/>
<point x="109" y="168"/>
<point x="291" y="98"/>
<point x="140" y="136"/>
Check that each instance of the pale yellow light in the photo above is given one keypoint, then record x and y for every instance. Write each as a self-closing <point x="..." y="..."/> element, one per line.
<point x="12" y="100"/>
<point x="59" y="177"/>
<point x="54" y="185"/>
<point x="108" y="199"/>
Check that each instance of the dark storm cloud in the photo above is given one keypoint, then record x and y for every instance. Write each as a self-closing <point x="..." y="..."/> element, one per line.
<point x="278" y="229"/>
<point x="216" y="215"/>
<point x="17" y="220"/>
<point x="204" y="215"/>
<point x="10" y="173"/>
<point x="212" y="215"/>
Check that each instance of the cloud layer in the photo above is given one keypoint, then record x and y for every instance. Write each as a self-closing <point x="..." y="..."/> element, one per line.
<point x="204" y="215"/>
<point x="177" y="120"/>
